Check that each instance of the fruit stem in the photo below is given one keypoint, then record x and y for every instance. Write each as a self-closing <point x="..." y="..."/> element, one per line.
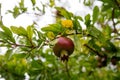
<point x="67" y="70"/>
<point x="64" y="57"/>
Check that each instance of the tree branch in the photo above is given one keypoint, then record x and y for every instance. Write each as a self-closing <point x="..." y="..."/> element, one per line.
<point x="96" y="52"/>
<point x="117" y="4"/>
<point x="113" y="12"/>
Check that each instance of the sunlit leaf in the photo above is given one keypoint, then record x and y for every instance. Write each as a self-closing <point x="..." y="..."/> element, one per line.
<point x="79" y="18"/>
<point x="8" y="54"/>
<point x="87" y="20"/>
<point x="50" y="35"/>
<point x="77" y="25"/>
<point x="16" y="11"/>
<point x="7" y="32"/>
<point x="56" y="28"/>
<point x="95" y="33"/>
<point x="3" y="35"/>
<point x="21" y="4"/>
<point x="64" y="12"/>
<point x="93" y="44"/>
<point x="107" y="32"/>
<point x="95" y="14"/>
<point x="33" y="2"/>
<point x="19" y="30"/>
<point x="30" y="32"/>
<point x="52" y="3"/>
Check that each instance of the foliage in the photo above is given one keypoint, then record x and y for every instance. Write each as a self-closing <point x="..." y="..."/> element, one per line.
<point x="29" y="50"/>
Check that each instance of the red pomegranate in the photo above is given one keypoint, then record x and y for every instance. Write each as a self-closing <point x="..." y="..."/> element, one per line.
<point x="63" y="48"/>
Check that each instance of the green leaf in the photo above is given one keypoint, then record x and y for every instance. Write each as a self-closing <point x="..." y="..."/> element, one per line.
<point x="22" y="30"/>
<point x="19" y="30"/>
<point x="55" y="28"/>
<point x="87" y="20"/>
<point x="110" y="47"/>
<point x="40" y="35"/>
<point x="110" y="3"/>
<point x="106" y="7"/>
<point x="64" y="12"/>
<point x="8" y="54"/>
<point x="87" y="3"/>
<point x="79" y="18"/>
<point x="33" y="2"/>
<point x="19" y="56"/>
<point x="107" y="32"/>
<point x="7" y="32"/>
<point x="52" y="3"/>
<point x="117" y="13"/>
<point x="93" y="44"/>
<point x="3" y="35"/>
<point x="22" y="8"/>
<point x="30" y="32"/>
<point x="16" y="12"/>
<point x="77" y="25"/>
<point x="95" y="14"/>
<point x="95" y="33"/>
<point x="21" y="4"/>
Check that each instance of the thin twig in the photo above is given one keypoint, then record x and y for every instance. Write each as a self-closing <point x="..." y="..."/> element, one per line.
<point x="17" y="45"/>
<point x="115" y="30"/>
<point x="117" y="4"/>
<point x="98" y="53"/>
<point x="117" y="38"/>
<point x="67" y="70"/>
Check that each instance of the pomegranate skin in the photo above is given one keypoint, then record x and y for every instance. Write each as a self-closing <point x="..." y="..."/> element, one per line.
<point x="63" y="43"/>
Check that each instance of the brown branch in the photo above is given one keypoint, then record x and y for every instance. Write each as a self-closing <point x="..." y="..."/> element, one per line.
<point x="113" y="12"/>
<point x="117" y="38"/>
<point x="96" y="52"/>
<point x="17" y="45"/>
<point x="117" y="4"/>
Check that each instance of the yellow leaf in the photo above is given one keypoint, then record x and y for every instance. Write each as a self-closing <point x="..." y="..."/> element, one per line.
<point x="50" y="35"/>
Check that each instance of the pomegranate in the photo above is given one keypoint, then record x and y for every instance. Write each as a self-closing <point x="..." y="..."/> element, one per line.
<point x="63" y="48"/>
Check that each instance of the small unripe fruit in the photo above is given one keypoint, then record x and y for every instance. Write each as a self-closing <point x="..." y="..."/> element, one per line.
<point x="63" y="48"/>
<point x="114" y="60"/>
<point x="102" y="61"/>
